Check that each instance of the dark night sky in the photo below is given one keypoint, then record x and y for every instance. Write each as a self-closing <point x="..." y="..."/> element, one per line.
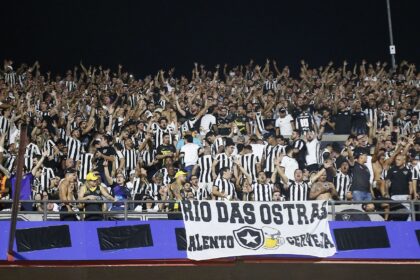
<point x="145" y="36"/>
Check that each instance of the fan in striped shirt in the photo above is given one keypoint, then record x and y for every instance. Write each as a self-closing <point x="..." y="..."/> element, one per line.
<point x="159" y="130"/>
<point x="46" y="175"/>
<point x="223" y="188"/>
<point x="224" y="160"/>
<point x="250" y="162"/>
<point x="205" y="180"/>
<point x="271" y="151"/>
<point x="342" y="181"/>
<point x="51" y="148"/>
<point x="200" y="193"/>
<point x="31" y="151"/>
<point x="263" y="190"/>
<point x="297" y="189"/>
<point x="5" y="123"/>
<point x="84" y="165"/>
<point x="130" y="156"/>
<point x="168" y="174"/>
<point x="216" y="142"/>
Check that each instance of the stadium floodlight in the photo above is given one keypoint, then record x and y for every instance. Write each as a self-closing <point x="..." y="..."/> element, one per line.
<point x="392" y="50"/>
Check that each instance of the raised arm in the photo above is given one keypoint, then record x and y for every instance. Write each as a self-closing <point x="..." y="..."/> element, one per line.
<point x="242" y="169"/>
<point x="107" y="175"/>
<point x="39" y="164"/>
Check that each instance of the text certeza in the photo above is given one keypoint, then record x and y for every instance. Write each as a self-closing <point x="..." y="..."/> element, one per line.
<point x="246" y="213"/>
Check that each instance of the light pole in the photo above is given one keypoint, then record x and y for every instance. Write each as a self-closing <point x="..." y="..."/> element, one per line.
<point x="392" y="50"/>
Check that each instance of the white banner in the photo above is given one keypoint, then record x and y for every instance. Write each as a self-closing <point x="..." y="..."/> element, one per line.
<point x="217" y="229"/>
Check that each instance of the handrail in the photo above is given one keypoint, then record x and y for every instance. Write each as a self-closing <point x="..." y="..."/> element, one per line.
<point x="126" y="211"/>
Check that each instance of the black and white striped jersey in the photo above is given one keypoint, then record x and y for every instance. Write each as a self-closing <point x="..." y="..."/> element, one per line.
<point x="224" y="161"/>
<point x="414" y="171"/>
<point x="167" y="179"/>
<point x="70" y="85"/>
<point x="201" y="194"/>
<point x="158" y="134"/>
<point x="205" y="163"/>
<point x="74" y="148"/>
<point x="262" y="192"/>
<point x="31" y="151"/>
<point x="85" y="165"/>
<point x="270" y="85"/>
<point x="215" y="146"/>
<point x="147" y="156"/>
<point x="138" y="186"/>
<point x="133" y="99"/>
<point x="269" y="154"/>
<point x="249" y="163"/>
<point x="118" y="157"/>
<point x="4" y="125"/>
<point x="130" y="158"/>
<point x="409" y="127"/>
<point x="371" y="114"/>
<point x="259" y="123"/>
<point x="10" y="78"/>
<point x="342" y="183"/>
<point x="299" y="144"/>
<point x="298" y="191"/>
<point x="9" y="161"/>
<point x="188" y="125"/>
<point x="383" y="119"/>
<point x="152" y="190"/>
<point x="46" y="175"/>
<point x="49" y="147"/>
<point x="226" y="187"/>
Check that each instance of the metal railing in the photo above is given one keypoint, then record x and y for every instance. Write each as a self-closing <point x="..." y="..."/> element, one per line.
<point x="411" y="208"/>
<point x="383" y="208"/>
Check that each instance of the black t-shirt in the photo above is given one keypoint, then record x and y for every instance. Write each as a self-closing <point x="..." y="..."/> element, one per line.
<point x="361" y="178"/>
<point x="108" y="151"/>
<point x="358" y="120"/>
<point x="343" y="122"/>
<point x="400" y="179"/>
<point x="163" y="150"/>
<point x="327" y="127"/>
<point x="223" y="121"/>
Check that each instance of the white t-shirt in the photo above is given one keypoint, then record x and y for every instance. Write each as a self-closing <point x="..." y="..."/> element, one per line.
<point x="206" y="122"/>
<point x="284" y="124"/>
<point x="190" y="151"/>
<point x="290" y="165"/>
<point x="258" y="150"/>
<point x="312" y="156"/>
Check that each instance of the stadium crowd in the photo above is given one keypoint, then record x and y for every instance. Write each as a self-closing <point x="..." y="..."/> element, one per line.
<point x="248" y="132"/>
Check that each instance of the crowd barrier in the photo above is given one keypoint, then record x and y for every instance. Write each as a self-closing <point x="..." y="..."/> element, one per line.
<point x="396" y="210"/>
<point x="161" y="236"/>
<point x="165" y="240"/>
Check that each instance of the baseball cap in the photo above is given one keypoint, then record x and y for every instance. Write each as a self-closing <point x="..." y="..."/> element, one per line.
<point x="91" y="177"/>
<point x="70" y="170"/>
<point x="359" y="153"/>
<point x="179" y="173"/>
<point x="148" y="114"/>
<point x="283" y="110"/>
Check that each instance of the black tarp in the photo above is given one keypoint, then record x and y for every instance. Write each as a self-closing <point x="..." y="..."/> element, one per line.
<point x="361" y="238"/>
<point x="42" y="238"/>
<point x="181" y="239"/>
<point x="124" y="237"/>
